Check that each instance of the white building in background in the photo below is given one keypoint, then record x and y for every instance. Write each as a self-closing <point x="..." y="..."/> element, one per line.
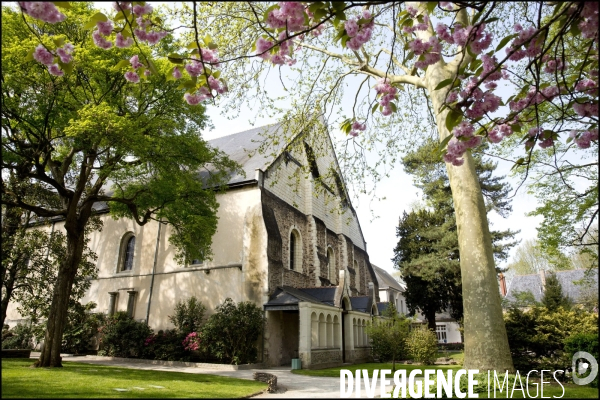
<point x="297" y="253"/>
<point x="392" y="290"/>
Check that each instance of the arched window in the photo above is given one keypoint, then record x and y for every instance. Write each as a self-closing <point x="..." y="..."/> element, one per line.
<point x="295" y="251"/>
<point x="331" y="265"/>
<point x="126" y="252"/>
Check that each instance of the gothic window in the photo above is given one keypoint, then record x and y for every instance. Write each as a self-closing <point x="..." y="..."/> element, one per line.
<point x="127" y="250"/>
<point x="295" y="251"/>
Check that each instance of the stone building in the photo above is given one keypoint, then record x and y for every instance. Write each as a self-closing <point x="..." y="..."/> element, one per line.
<point x="291" y="246"/>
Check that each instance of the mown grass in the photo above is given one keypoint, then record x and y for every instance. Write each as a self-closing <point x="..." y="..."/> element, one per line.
<point x="81" y="380"/>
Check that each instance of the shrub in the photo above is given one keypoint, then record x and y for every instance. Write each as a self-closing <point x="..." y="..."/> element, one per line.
<point x="122" y="336"/>
<point x="536" y="336"/>
<point x="422" y="345"/>
<point x="582" y="341"/>
<point x="231" y="333"/>
<point x="81" y="329"/>
<point x="166" y="345"/>
<point x="388" y="336"/>
<point x="19" y="337"/>
<point x="188" y="316"/>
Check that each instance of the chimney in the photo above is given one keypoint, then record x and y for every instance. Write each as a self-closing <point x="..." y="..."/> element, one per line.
<point x="502" y="283"/>
<point x="543" y="279"/>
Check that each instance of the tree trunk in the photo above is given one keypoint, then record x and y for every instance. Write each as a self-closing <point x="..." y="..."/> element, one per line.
<point x="486" y="343"/>
<point x="430" y="317"/>
<point x="57" y="317"/>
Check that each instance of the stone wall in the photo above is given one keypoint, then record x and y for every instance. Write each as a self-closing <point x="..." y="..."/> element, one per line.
<point x="324" y="358"/>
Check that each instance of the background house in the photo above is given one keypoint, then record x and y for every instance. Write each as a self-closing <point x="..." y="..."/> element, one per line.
<point x="576" y="284"/>
<point x="392" y="291"/>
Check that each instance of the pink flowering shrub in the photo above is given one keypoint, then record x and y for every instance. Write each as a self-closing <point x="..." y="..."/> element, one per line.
<point x="192" y="342"/>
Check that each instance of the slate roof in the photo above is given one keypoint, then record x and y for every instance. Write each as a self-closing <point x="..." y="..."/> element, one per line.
<point x="381" y="307"/>
<point x="533" y="284"/>
<point x="291" y="296"/>
<point x="386" y="280"/>
<point x="242" y="147"/>
<point x="361" y="303"/>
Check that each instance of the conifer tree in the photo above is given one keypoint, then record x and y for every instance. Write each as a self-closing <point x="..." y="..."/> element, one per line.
<point x="553" y="295"/>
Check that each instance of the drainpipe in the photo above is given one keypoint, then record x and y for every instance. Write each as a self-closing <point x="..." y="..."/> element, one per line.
<point x="153" y="273"/>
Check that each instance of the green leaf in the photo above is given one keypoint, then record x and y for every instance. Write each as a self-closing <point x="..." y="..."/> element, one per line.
<point x="216" y="74"/>
<point x="98" y="17"/>
<point x="68" y="67"/>
<point x="338" y="5"/>
<point x="29" y="56"/>
<point x="490" y="20"/>
<point x="374" y="108"/>
<point x="152" y="67"/>
<point x="340" y="15"/>
<point x="317" y="5"/>
<point x="345" y="40"/>
<point x="516" y="127"/>
<point x="431" y="6"/>
<point x="213" y="46"/>
<point x="175" y="58"/>
<point x="319" y="14"/>
<point x="62" y="4"/>
<point x="207" y="40"/>
<point x="453" y="119"/>
<point x="444" y="143"/>
<point x="574" y="29"/>
<point x="123" y="64"/>
<point x="444" y="83"/>
<point x="519" y="162"/>
<point x="192" y="46"/>
<point x="59" y="42"/>
<point x="569" y="139"/>
<point x="186" y="85"/>
<point x="393" y="107"/>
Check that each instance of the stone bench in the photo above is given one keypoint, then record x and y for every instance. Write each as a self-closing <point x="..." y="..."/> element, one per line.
<point x="267" y="378"/>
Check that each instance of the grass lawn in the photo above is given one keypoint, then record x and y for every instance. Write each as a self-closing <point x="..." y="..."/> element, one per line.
<point x="82" y="380"/>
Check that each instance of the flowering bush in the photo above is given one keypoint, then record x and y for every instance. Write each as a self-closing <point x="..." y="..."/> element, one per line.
<point x="122" y="336"/>
<point x="192" y="342"/>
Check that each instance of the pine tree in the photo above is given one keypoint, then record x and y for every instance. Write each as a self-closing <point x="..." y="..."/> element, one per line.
<point x="553" y="295"/>
<point x="427" y="252"/>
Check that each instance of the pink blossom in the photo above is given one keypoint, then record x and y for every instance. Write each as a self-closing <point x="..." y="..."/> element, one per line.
<point x="141" y="10"/>
<point x="42" y="10"/>
<point x="587" y="85"/>
<point x="65" y="53"/>
<point x="443" y="33"/>
<point x="121" y="42"/>
<point x="135" y="62"/>
<point x="143" y="23"/>
<point x="176" y="73"/>
<point x="412" y="11"/>
<point x="132" y="77"/>
<point x="263" y="45"/>
<point x="42" y="55"/>
<point x="155" y="36"/>
<point x="589" y="23"/>
<point x="55" y="70"/>
<point x="586" y="109"/>
<point x="278" y="59"/>
<point x="147" y="72"/>
<point x="194" y="99"/>
<point x="452" y="96"/>
<point x="105" y="27"/>
<point x="118" y="5"/>
<point x="100" y="41"/>
<point x="351" y="27"/>
<point x="194" y="68"/>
